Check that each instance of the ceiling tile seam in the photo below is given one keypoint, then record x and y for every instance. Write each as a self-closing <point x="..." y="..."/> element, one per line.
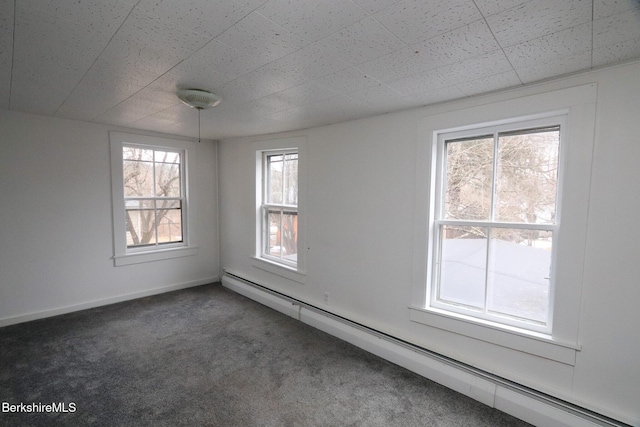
<point x="247" y="6"/>
<point x="468" y="95"/>
<point x="593" y="26"/>
<point x="591" y="49"/>
<point x="438" y="68"/>
<point x="484" y="18"/>
<point x="423" y="41"/>
<point x="299" y="106"/>
<point x="182" y="28"/>
<point x="363" y="9"/>
<point x="96" y="59"/>
<point x="450" y="30"/>
<point x="13" y="56"/>
<point x="308" y="43"/>
<point x="635" y="9"/>
<point x="142" y="117"/>
<point x="323" y="38"/>
<point x="365" y="74"/>
<point x="390" y="32"/>
<point x="419" y="44"/>
<point x="446" y="77"/>
<point x="170" y="69"/>
<point x="158" y="78"/>
<point x="293" y="107"/>
<point x="368" y="15"/>
<point x="148" y="115"/>
<point x="345" y="66"/>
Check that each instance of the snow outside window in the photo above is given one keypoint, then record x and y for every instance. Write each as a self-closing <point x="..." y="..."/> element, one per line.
<point x="496" y="221"/>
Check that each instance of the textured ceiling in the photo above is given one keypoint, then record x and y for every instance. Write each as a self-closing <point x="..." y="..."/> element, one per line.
<point x="290" y="64"/>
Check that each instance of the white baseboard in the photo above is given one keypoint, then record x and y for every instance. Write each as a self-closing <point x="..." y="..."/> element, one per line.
<point x="105" y="301"/>
<point x="517" y="401"/>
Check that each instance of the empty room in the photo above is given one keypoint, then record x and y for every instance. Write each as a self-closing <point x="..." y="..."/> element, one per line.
<point x="320" y="212"/>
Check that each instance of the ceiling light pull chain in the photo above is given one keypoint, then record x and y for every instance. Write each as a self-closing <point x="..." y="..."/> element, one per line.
<point x="200" y="100"/>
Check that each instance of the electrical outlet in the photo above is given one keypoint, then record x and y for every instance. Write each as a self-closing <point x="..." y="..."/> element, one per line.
<point x="326" y="298"/>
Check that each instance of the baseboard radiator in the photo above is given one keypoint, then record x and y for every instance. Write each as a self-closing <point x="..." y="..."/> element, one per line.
<point x="525" y="403"/>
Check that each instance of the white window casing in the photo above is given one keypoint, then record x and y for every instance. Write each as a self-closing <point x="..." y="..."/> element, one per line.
<point x="526" y="309"/>
<point x="274" y="261"/>
<point x="126" y="253"/>
<point x="574" y="110"/>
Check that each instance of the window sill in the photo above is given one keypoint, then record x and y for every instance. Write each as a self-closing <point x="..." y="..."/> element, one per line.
<point x="279" y="269"/>
<point x="150" y="256"/>
<point x="517" y="339"/>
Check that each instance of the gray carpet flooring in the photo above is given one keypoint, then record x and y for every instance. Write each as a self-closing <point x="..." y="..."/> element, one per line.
<point x="206" y="356"/>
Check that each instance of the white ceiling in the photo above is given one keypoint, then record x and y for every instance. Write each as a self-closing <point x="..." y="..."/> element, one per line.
<point x="290" y="64"/>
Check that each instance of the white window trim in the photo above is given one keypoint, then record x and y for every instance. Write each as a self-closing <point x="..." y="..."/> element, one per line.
<point x="296" y="273"/>
<point x="438" y="188"/>
<point x="128" y="256"/>
<point x="579" y="104"/>
<point x="279" y="206"/>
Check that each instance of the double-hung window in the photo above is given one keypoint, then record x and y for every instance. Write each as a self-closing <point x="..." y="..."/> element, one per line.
<point x="154" y="194"/>
<point x="496" y="220"/>
<point x="279" y="202"/>
<point x="279" y="208"/>
<point x="502" y="206"/>
<point x="150" y="198"/>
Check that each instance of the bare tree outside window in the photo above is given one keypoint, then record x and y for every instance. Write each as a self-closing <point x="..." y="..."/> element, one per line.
<point x="280" y="206"/>
<point x="153" y="195"/>
<point x="496" y="223"/>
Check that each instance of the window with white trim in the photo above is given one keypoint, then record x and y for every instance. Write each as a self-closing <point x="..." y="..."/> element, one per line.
<point x="279" y="207"/>
<point x="150" y="198"/>
<point x="154" y="195"/>
<point x="495" y="222"/>
<point x="562" y="235"/>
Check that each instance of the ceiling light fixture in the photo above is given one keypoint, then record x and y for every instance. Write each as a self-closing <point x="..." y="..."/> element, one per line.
<point x="198" y="99"/>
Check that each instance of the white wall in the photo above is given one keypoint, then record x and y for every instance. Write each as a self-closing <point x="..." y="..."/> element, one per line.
<point x="361" y="197"/>
<point x="56" y="234"/>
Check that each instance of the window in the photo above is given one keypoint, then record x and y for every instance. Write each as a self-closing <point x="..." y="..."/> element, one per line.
<point x="150" y="200"/>
<point x="496" y="219"/>
<point x="280" y="219"/>
<point x="280" y="207"/>
<point x="153" y="195"/>
<point x="491" y="208"/>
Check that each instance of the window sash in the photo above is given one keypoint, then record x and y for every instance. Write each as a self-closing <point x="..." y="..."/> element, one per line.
<point x="439" y="222"/>
<point x="275" y="246"/>
<point x="278" y="252"/>
<point x="164" y="238"/>
<point x="517" y="318"/>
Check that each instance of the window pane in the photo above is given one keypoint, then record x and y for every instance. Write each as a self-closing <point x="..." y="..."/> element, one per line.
<point x="167" y="180"/>
<point x="169" y="225"/>
<point x="167" y="157"/>
<point x="527" y="177"/>
<point x="139" y="204"/>
<point x="273" y="245"/>
<point x="291" y="179"/>
<point x="469" y="177"/>
<point x="274" y="178"/>
<point x="519" y="271"/>
<point x="463" y="265"/>
<point x="290" y="236"/>
<point x="134" y="153"/>
<point x="137" y="178"/>
<point x="168" y="203"/>
<point x="140" y="227"/>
